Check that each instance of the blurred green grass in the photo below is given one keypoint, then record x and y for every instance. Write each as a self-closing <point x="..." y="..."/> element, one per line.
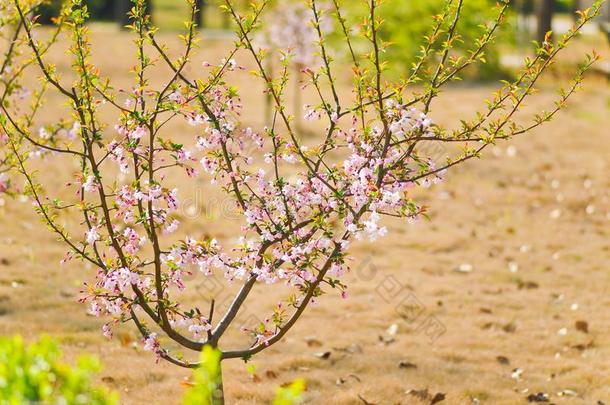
<point x="171" y="14"/>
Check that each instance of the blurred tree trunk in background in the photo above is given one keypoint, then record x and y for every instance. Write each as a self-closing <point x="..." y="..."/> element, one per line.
<point x="525" y="8"/>
<point x="545" y="18"/>
<point x="121" y="11"/>
<point x="99" y="10"/>
<point x="576" y="6"/>
<point x="200" y="13"/>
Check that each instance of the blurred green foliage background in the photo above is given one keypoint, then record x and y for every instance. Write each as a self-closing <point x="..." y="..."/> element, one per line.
<point x="35" y="374"/>
<point x="407" y="22"/>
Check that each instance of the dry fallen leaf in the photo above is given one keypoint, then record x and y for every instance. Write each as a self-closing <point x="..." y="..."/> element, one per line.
<point x="567" y="393"/>
<point x="464" y="268"/>
<point x="516" y="374"/>
<point x="386" y="340"/>
<point x="342" y="380"/>
<point x="438" y="398"/>
<point x="510" y="327"/>
<point x="404" y="364"/>
<point x="582" y="326"/>
<point x="392" y="329"/>
<point x="313" y="342"/>
<point x="323" y="355"/>
<point x="582" y="347"/>
<point x="420" y="394"/>
<point x="360" y="397"/>
<point x="108" y="380"/>
<point x="425" y="395"/>
<point x="527" y="285"/>
<point x="538" y="397"/>
<point x="487" y="325"/>
<point x="352" y="349"/>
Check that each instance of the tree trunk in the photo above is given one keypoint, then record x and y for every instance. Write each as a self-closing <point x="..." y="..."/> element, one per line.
<point x="121" y="10"/>
<point x="545" y="18"/>
<point x="200" y="4"/>
<point x="218" y="397"/>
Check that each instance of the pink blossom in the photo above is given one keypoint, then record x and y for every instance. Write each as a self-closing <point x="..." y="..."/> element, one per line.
<point x="3" y="182"/>
<point x="176" y="97"/>
<point x="171" y="227"/>
<point x="151" y="343"/>
<point x="74" y="132"/>
<point x="107" y="331"/>
<point x="93" y="235"/>
<point x="137" y="133"/>
<point x="90" y="185"/>
<point x="311" y="114"/>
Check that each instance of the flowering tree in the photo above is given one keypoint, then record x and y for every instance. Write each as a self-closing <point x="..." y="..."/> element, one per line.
<point x="10" y="90"/>
<point x="301" y="205"/>
<point x="24" y="102"/>
<point x="290" y="28"/>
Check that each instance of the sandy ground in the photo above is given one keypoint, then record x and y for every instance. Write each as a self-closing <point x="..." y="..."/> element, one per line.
<point x="486" y="302"/>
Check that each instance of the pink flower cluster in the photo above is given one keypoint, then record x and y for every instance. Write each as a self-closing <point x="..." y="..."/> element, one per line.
<point x="302" y="203"/>
<point x="299" y="210"/>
